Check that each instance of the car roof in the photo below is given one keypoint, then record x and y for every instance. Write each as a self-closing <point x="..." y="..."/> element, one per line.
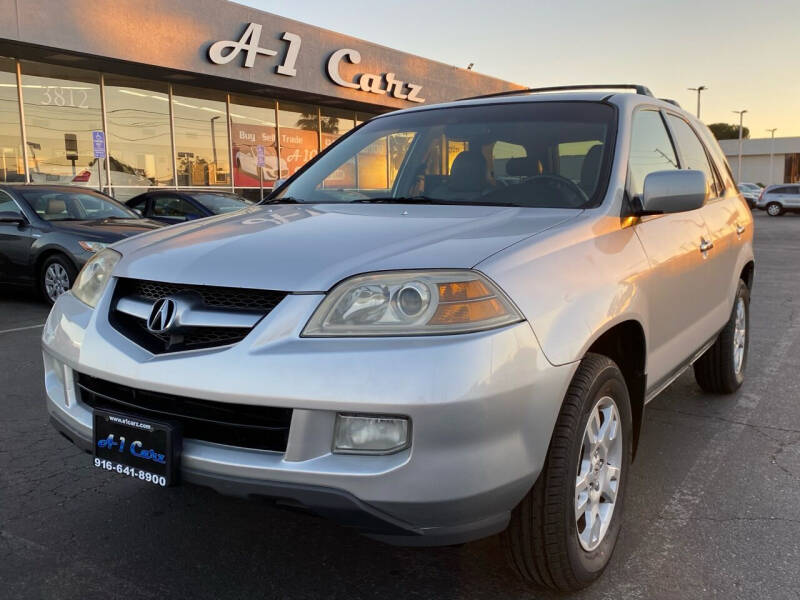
<point x="623" y="99"/>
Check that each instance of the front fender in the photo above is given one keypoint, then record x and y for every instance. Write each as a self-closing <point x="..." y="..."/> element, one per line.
<point x="575" y="282"/>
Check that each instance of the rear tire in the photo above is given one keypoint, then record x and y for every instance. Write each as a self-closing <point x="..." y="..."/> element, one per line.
<point x="549" y="541"/>
<point x="774" y="209"/>
<point x="56" y="277"/>
<point x="721" y="368"/>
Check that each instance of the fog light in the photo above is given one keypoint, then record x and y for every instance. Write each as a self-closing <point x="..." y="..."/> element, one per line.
<point x="370" y="435"/>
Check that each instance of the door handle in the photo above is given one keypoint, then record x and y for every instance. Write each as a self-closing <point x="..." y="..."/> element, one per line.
<point x="739" y="229"/>
<point x="705" y="245"/>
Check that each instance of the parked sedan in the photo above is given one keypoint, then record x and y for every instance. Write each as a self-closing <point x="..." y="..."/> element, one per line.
<point x="170" y="206"/>
<point x="47" y="233"/>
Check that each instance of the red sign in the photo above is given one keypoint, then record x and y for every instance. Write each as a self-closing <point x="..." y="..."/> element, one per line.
<point x="246" y="139"/>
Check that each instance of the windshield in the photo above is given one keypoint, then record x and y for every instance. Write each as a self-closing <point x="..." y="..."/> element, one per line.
<point x="531" y="154"/>
<point x="60" y="205"/>
<point x="221" y="203"/>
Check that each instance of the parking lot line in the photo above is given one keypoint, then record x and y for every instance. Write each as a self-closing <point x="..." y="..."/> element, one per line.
<point x="21" y="328"/>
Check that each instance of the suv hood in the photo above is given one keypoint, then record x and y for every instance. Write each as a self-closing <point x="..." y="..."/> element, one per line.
<point x="310" y="248"/>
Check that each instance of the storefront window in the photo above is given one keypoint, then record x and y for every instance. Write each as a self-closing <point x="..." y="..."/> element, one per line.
<point x="139" y="141"/>
<point x="201" y="137"/>
<point x="62" y="108"/>
<point x="334" y="124"/>
<point x="377" y="164"/>
<point x="299" y="131"/>
<point x="12" y="167"/>
<point x="253" y="125"/>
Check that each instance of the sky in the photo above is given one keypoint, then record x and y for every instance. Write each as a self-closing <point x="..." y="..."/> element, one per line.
<point x="744" y="52"/>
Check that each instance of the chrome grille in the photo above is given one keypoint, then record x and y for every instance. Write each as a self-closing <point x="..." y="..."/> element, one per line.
<point x="215" y="296"/>
<point x="235" y="312"/>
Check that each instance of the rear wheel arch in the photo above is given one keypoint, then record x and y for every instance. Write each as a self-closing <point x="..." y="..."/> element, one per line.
<point x="625" y="343"/>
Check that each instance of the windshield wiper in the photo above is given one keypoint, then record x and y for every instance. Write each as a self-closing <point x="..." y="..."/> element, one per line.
<point x="401" y="200"/>
<point x="427" y="200"/>
<point x="283" y="200"/>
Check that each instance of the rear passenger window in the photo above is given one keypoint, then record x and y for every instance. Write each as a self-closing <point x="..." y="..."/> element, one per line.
<point x="651" y="150"/>
<point x="693" y="153"/>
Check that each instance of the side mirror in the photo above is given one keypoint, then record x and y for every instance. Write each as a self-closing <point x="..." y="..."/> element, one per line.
<point x="673" y="192"/>
<point x="10" y="217"/>
<point x="138" y="211"/>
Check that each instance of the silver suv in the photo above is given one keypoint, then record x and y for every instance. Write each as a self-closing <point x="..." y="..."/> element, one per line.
<point x="780" y="198"/>
<point x="446" y="326"/>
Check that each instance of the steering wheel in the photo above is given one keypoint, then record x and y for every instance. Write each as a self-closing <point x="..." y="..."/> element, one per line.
<point x="560" y="183"/>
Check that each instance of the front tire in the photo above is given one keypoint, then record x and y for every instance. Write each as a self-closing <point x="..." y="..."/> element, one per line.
<point x="561" y="536"/>
<point x="56" y="277"/>
<point x="721" y="368"/>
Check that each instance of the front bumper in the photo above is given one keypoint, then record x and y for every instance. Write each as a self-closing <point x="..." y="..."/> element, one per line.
<point x="482" y="406"/>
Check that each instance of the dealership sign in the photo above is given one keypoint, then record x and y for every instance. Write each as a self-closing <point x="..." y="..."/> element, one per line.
<point x="225" y="51"/>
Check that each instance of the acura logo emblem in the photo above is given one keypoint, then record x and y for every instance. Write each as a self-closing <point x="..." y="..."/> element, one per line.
<point x="162" y="315"/>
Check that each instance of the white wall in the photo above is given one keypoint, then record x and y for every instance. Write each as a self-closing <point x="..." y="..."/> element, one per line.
<point x="755" y="168"/>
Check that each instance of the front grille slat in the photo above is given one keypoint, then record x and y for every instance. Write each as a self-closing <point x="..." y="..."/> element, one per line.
<point x="233" y="300"/>
<point x="242" y="425"/>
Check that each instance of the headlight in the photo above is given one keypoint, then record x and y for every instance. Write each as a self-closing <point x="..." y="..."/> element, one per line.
<point x="94" y="277"/>
<point x="92" y="246"/>
<point x="411" y="303"/>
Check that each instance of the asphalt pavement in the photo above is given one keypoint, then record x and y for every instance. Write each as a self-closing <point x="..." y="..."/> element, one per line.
<point x="713" y="505"/>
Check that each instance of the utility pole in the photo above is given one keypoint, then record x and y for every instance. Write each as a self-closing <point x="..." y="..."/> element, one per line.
<point x="698" y="89"/>
<point x="771" y="153"/>
<point x="741" y="118"/>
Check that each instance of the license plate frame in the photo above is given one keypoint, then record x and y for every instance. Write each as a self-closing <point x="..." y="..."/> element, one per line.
<point x="139" y="447"/>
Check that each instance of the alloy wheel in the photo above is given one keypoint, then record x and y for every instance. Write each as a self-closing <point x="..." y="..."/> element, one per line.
<point x="739" y="335"/>
<point x="56" y="281"/>
<point x="599" y="472"/>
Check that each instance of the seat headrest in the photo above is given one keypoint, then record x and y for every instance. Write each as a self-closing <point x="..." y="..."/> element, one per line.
<point x="525" y="166"/>
<point x="468" y="173"/>
<point x="590" y="169"/>
<point x="55" y="206"/>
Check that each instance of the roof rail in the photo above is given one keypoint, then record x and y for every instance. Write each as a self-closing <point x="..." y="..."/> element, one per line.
<point x="640" y="89"/>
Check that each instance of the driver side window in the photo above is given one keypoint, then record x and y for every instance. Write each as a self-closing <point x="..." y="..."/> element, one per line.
<point x="651" y="150"/>
<point x="172" y="206"/>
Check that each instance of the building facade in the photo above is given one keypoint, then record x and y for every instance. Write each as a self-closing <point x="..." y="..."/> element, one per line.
<point x="765" y="160"/>
<point x="130" y="95"/>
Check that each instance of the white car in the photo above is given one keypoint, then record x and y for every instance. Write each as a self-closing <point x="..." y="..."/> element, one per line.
<point x="247" y="161"/>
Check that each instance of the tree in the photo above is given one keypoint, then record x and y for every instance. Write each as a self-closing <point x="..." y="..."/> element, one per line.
<point x="724" y="131"/>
